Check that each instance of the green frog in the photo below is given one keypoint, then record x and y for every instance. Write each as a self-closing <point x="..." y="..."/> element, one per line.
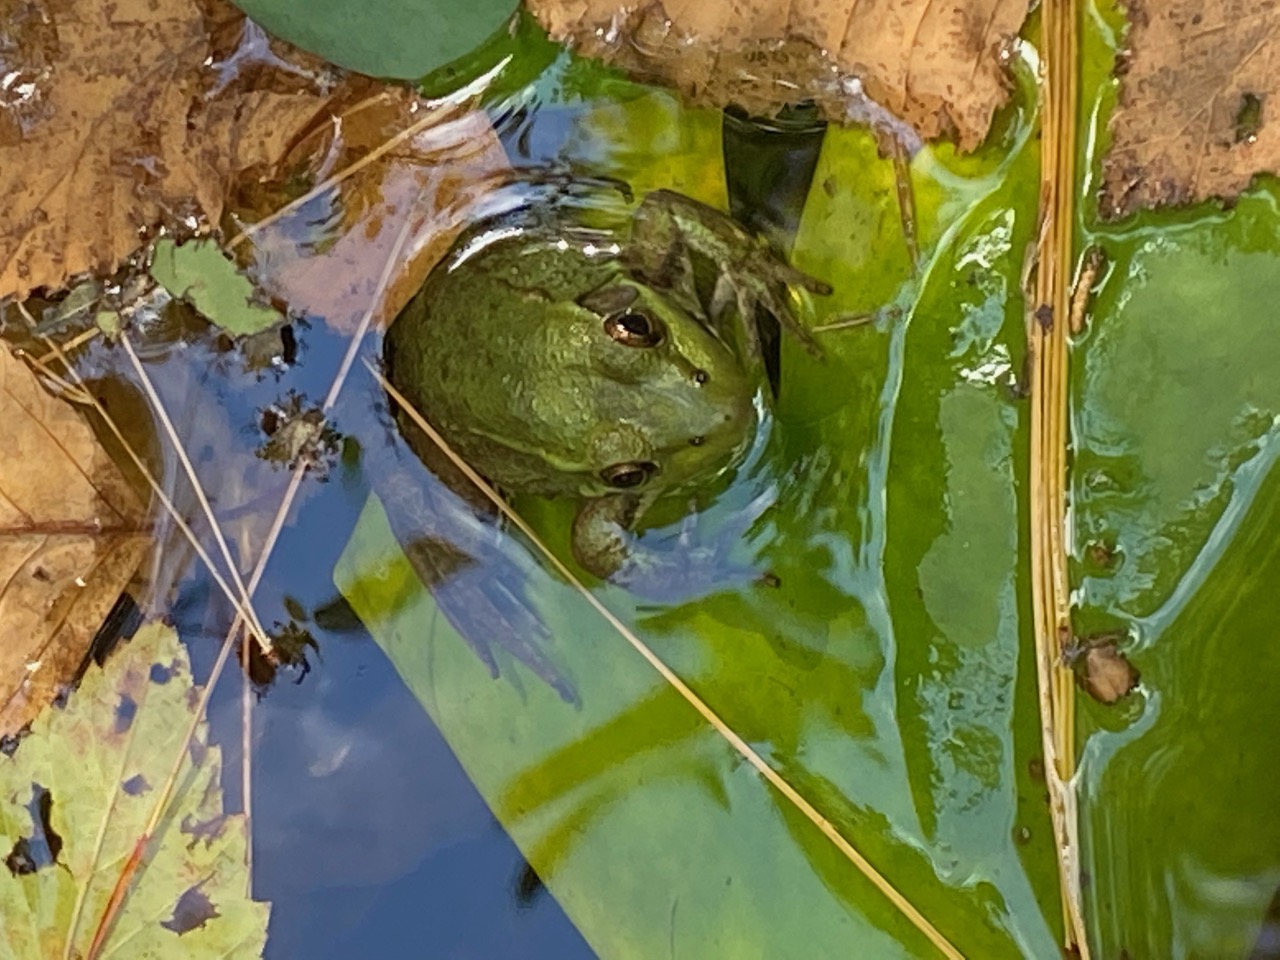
<point x="609" y="354"/>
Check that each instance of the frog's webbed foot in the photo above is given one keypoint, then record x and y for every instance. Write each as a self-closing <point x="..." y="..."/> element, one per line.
<point x="681" y="567"/>
<point x="485" y="605"/>
<point x="754" y="288"/>
<point x="480" y="588"/>
<point x="602" y="537"/>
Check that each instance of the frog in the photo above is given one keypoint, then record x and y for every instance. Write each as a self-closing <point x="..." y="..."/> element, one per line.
<point x="610" y="354"/>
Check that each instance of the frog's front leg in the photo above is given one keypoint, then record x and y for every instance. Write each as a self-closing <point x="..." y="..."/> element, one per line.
<point x="669" y="227"/>
<point x="602" y="538"/>
<point x="604" y="544"/>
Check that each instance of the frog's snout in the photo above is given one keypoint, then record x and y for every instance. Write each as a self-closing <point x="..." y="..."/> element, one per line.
<point x="718" y="425"/>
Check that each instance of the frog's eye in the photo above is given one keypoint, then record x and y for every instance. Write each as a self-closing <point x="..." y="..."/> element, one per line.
<point x="633" y="328"/>
<point x="627" y="475"/>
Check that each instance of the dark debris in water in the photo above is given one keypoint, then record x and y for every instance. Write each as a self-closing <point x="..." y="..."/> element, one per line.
<point x="1101" y="668"/>
<point x="39" y="850"/>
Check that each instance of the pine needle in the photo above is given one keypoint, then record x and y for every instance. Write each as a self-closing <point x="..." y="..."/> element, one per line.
<point x="1048" y="313"/>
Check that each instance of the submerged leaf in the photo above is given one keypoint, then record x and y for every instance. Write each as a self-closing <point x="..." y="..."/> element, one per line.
<point x="328" y="264"/>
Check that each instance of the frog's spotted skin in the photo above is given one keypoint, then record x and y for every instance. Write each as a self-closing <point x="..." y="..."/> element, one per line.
<point x="612" y="366"/>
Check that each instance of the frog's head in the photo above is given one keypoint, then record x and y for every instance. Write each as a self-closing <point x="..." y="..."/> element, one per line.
<point x="672" y="404"/>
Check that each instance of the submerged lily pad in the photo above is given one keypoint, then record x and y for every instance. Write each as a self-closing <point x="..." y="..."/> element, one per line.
<point x="1177" y="407"/>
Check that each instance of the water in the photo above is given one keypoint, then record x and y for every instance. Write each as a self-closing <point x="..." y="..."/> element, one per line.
<point x="887" y="675"/>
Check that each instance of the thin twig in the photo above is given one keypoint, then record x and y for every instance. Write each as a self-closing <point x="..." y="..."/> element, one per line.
<point x="906" y="200"/>
<point x="246" y="762"/>
<point x="79" y="340"/>
<point x="845" y="323"/>
<point x="87" y="396"/>
<point x="158" y="407"/>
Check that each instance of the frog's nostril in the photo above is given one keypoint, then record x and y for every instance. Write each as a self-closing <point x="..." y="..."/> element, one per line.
<point x="697" y="441"/>
<point x="701" y="376"/>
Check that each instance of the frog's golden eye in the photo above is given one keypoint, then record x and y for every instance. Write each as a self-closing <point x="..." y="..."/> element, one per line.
<point x="626" y="476"/>
<point x="633" y="328"/>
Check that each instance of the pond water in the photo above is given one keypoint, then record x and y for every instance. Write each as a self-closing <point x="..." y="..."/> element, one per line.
<point x="406" y="802"/>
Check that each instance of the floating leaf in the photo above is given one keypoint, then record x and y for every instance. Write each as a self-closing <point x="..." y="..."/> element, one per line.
<point x="935" y="66"/>
<point x="1198" y="91"/>
<point x="385" y="38"/>
<point x="200" y="273"/>
<point x="91" y="773"/>
<point x="1176" y="438"/>
<point x="125" y="116"/>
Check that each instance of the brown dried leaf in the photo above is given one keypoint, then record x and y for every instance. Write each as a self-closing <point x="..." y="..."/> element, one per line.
<point x="116" y="119"/>
<point x="72" y="533"/>
<point x="1195" y="94"/>
<point x="934" y="65"/>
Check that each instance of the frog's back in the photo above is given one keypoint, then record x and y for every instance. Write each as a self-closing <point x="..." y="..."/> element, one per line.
<point x="487" y="343"/>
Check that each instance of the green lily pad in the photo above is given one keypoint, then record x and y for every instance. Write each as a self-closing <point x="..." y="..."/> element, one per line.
<point x="1177" y="407"/>
<point x="384" y="38"/>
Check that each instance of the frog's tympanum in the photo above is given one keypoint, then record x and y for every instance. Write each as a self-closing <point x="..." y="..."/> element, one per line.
<point x="611" y="364"/>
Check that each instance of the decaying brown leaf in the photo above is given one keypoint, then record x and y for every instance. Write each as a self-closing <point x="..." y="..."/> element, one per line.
<point x="72" y="532"/>
<point x="116" y="118"/>
<point x="933" y="64"/>
<point x="1197" y="91"/>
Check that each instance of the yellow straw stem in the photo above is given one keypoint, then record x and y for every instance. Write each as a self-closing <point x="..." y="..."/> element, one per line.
<point x="1048" y="322"/>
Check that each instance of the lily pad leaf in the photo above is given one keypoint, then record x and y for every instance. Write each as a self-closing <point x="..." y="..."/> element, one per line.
<point x="385" y="38"/>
